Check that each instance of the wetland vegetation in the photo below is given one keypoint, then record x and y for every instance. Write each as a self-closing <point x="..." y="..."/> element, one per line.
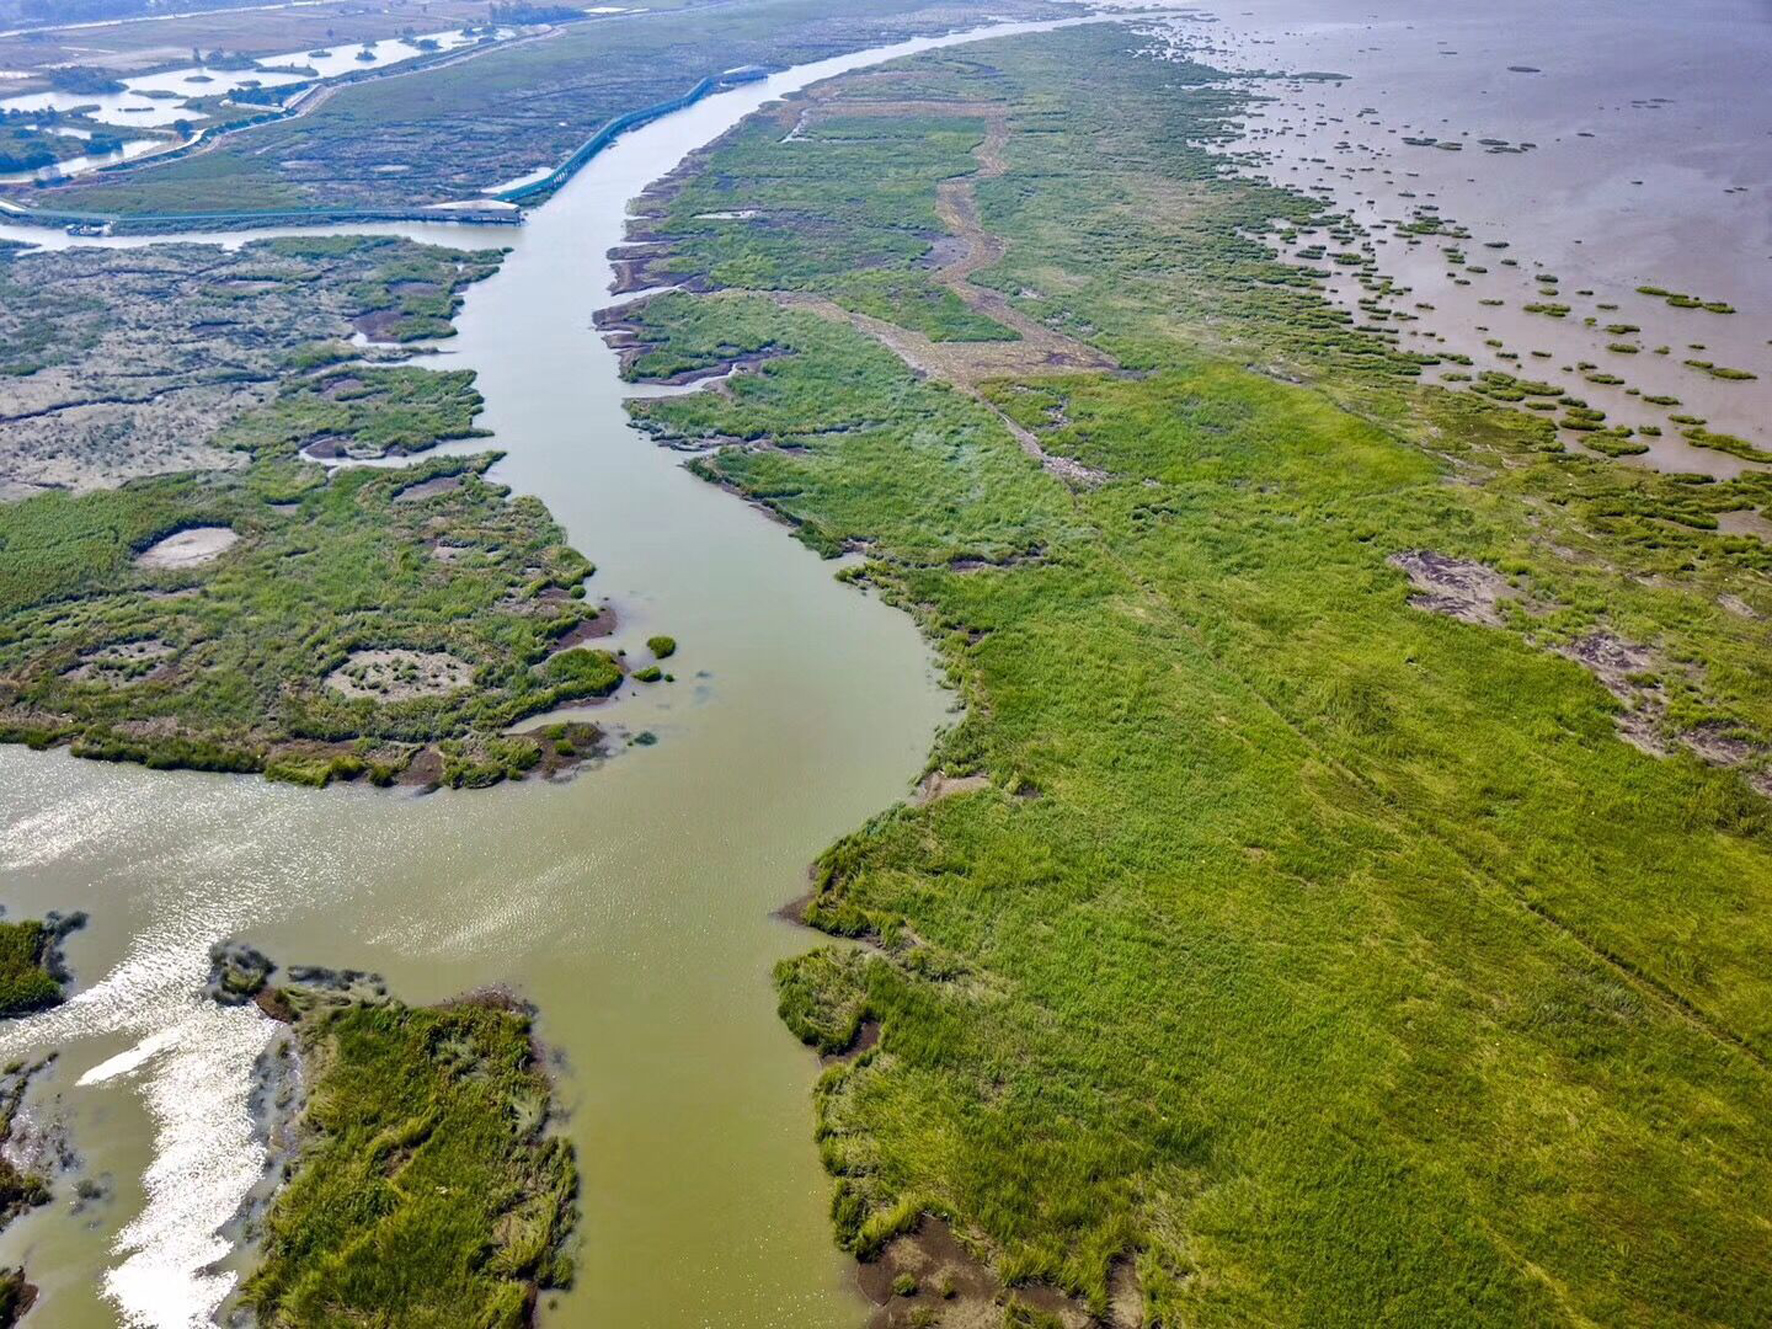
<point x="118" y="364"/>
<point x="31" y="972"/>
<point x="248" y="610"/>
<point x="32" y="976"/>
<point x="424" y="1185"/>
<point x="1341" y="901"/>
<point x="454" y="133"/>
<point x="1343" y="897"/>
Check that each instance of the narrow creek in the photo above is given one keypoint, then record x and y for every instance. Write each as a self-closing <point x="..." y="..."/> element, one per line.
<point x="633" y="904"/>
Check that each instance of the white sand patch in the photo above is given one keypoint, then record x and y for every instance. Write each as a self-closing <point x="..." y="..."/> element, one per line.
<point x="189" y="547"/>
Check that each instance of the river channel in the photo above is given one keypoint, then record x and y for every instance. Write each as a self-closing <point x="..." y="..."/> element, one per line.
<point x="633" y="904"/>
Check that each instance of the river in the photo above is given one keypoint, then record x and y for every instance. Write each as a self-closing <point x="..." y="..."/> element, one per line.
<point x="633" y="904"/>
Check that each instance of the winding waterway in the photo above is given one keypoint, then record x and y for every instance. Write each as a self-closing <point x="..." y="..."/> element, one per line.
<point x="633" y="904"/>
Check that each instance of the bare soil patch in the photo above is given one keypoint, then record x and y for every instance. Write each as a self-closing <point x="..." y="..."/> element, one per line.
<point x="1473" y="593"/>
<point x="591" y="629"/>
<point x="399" y="675"/>
<point x="954" y="1289"/>
<point x="378" y="324"/>
<point x="937" y="786"/>
<point x="122" y="662"/>
<point x="440" y="484"/>
<point x="1458" y="588"/>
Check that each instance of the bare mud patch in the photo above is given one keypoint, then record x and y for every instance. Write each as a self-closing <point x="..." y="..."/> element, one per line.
<point x="1621" y="667"/>
<point x="379" y="325"/>
<point x="399" y="675"/>
<point x="120" y="662"/>
<point x="1470" y="592"/>
<point x="929" y="1277"/>
<point x="1736" y="605"/>
<point x="188" y="548"/>
<point x="938" y="785"/>
<point x="601" y="624"/>
<point x="1717" y="744"/>
<point x="1629" y="671"/>
<point x="441" y="484"/>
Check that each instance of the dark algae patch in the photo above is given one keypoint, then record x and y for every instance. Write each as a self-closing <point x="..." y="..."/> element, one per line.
<point x="426" y="1187"/>
<point x="1352" y="902"/>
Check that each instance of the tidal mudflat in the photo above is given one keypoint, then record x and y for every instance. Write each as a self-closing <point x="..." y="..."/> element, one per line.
<point x="1578" y="193"/>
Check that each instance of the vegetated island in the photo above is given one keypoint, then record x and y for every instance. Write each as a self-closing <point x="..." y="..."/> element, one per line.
<point x="32" y="977"/>
<point x="415" y="1177"/>
<point x="1344" y="898"/>
<point x="194" y="580"/>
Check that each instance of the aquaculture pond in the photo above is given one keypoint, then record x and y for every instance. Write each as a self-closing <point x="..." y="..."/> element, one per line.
<point x="635" y="904"/>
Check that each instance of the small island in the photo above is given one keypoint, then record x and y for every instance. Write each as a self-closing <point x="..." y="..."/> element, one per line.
<point x="417" y="1179"/>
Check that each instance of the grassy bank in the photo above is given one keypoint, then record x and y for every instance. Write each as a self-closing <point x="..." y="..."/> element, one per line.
<point x="426" y="1189"/>
<point x="1359" y="917"/>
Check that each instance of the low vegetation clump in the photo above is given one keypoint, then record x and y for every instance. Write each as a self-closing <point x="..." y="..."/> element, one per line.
<point x="1722" y="371"/>
<point x="31" y="973"/>
<point x="428" y="1189"/>
<point x="31" y="978"/>
<point x="20" y="1190"/>
<point x="361" y="412"/>
<point x="16" y="1295"/>
<point x="1680" y="300"/>
<point x="1327" y="942"/>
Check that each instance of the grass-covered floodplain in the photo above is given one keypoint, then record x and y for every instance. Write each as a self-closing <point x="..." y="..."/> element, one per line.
<point x="427" y="1190"/>
<point x="1316" y="948"/>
